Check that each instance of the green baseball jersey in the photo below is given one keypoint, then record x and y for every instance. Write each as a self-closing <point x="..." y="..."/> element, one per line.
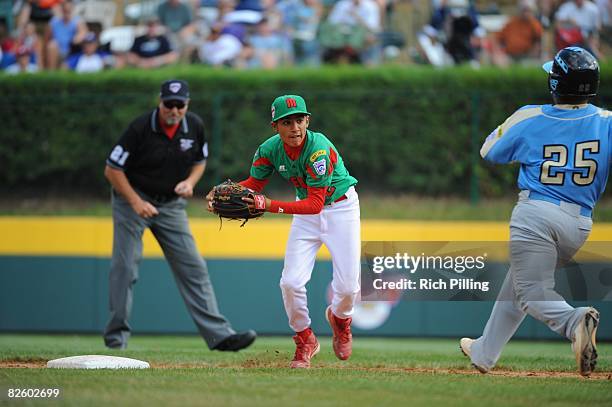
<point x="319" y="165"/>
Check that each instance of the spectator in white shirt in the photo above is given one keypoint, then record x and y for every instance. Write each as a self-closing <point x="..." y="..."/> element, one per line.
<point x="582" y="15"/>
<point x="356" y="12"/>
<point x="605" y="11"/>
<point x="220" y="48"/>
<point x="352" y="15"/>
<point x="24" y="62"/>
<point x="90" y="59"/>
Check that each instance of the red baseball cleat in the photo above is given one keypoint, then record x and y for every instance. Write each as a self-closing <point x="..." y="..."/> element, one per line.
<point x="306" y="347"/>
<point x="343" y="338"/>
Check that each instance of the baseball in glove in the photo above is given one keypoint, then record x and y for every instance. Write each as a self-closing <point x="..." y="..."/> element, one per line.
<point x="227" y="202"/>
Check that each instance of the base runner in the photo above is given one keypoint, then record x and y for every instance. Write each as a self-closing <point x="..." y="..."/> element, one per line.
<point x="564" y="150"/>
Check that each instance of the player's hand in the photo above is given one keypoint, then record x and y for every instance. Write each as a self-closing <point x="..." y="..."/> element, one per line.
<point x="251" y="203"/>
<point x="145" y="209"/>
<point x="184" y="189"/>
<point x="209" y="197"/>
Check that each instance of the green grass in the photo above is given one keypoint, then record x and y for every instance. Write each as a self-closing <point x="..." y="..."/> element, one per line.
<point x="372" y="207"/>
<point x="381" y="372"/>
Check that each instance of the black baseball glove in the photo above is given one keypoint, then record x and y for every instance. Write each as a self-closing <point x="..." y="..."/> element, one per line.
<point x="227" y="202"/>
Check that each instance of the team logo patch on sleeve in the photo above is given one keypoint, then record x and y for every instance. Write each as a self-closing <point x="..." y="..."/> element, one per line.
<point x="317" y="154"/>
<point x="186" y="144"/>
<point x="320" y="166"/>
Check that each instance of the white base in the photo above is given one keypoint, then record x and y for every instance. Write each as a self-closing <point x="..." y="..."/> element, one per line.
<point x="97" y="362"/>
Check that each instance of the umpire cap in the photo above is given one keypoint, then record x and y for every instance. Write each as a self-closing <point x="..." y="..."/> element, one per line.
<point x="573" y="72"/>
<point x="174" y="89"/>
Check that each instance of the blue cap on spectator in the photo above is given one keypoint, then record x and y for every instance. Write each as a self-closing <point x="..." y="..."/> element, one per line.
<point x="237" y="30"/>
<point x="254" y="5"/>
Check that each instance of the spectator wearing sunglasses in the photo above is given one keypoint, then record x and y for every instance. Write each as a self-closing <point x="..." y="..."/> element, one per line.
<point x="153" y="168"/>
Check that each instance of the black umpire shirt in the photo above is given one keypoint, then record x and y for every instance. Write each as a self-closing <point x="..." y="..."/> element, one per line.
<point x="149" y="47"/>
<point x="154" y="163"/>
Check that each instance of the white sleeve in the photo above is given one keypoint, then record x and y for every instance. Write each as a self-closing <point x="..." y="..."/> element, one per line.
<point x="226" y="48"/>
<point x="372" y="16"/>
<point x="598" y="17"/>
<point x="338" y="13"/>
<point x="564" y="12"/>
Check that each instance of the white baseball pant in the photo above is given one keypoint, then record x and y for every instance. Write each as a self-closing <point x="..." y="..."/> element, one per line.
<point x="338" y="227"/>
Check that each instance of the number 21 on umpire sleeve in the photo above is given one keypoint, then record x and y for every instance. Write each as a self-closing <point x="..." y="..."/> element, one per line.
<point x="119" y="156"/>
<point x="557" y="155"/>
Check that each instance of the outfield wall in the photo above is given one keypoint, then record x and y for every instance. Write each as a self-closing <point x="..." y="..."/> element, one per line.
<point x="54" y="278"/>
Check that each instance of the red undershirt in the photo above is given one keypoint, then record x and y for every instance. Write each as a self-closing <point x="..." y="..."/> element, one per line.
<point x="313" y="203"/>
<point x="169" y="129"/>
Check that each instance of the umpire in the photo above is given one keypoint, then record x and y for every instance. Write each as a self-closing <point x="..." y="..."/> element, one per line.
<point x="155" y="165"/>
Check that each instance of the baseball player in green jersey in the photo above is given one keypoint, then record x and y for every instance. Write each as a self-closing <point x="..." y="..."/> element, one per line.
<point x="326" y="211"/>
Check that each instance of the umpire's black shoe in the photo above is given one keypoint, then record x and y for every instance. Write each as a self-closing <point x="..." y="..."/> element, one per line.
<point x="117" y="347"/>
<point x="238" y="341"/>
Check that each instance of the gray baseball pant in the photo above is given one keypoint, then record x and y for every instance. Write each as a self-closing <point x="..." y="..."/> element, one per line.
<point x="171" y="229"/>
<point x="542" y="235"/>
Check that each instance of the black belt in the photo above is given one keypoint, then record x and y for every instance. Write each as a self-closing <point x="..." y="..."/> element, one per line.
<point x="157" y="198"/>
<point x="163" y="198"/>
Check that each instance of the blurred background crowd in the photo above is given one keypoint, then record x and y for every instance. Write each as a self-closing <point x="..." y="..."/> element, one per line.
<point x="93" y="35"/>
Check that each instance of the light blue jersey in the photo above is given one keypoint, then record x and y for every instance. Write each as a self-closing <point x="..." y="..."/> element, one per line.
<point x="564" y="151"/>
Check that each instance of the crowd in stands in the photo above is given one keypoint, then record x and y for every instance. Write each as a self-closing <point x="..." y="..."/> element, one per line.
<point x="455" y="33"/>
<point x="50" y="35"/>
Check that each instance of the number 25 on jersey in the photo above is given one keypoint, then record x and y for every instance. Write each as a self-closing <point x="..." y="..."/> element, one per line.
<point x="556" y="156"/>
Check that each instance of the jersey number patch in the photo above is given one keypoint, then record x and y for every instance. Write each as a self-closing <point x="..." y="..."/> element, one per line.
<point x="557" y="158"/>
<point x="119" y="156"/>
